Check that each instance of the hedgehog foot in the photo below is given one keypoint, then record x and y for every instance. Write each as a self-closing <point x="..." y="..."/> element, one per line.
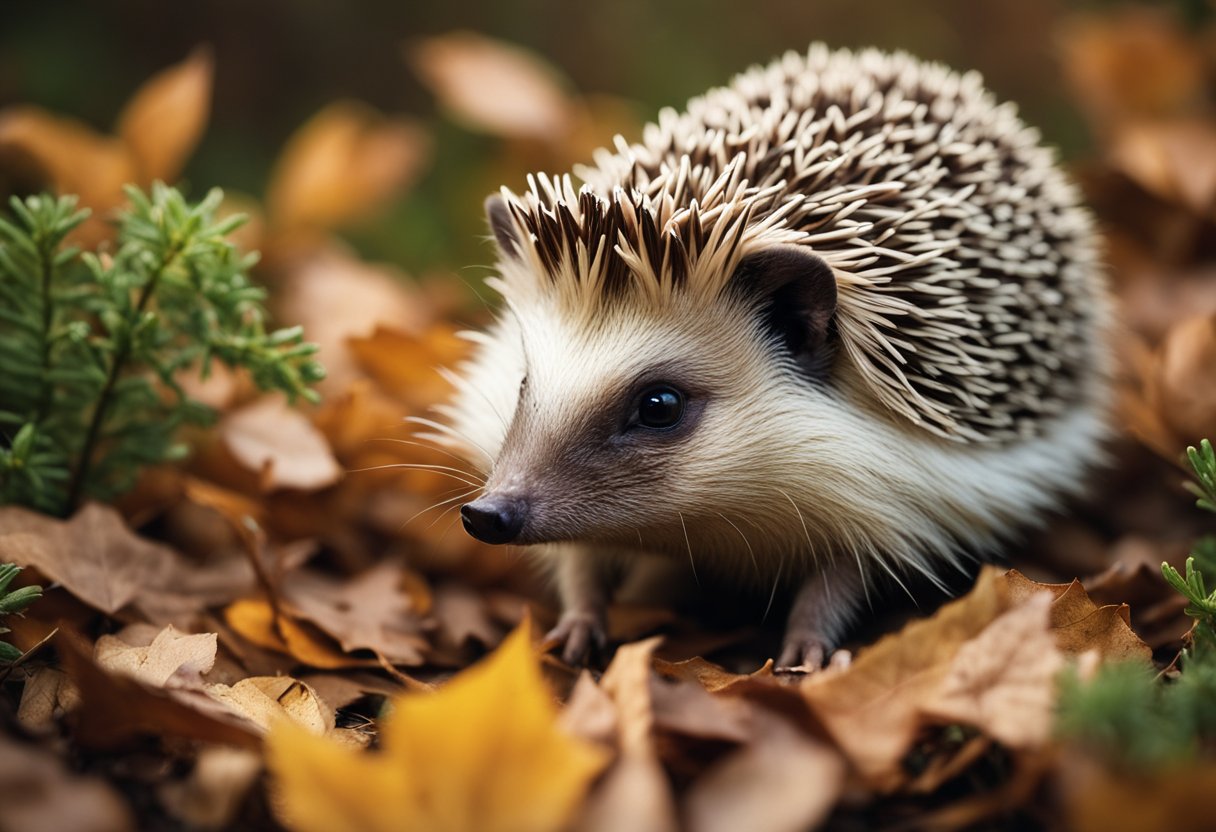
<point x="577" y="633"/>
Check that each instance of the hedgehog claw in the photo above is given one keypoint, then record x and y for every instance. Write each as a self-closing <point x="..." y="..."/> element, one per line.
<point x="578" y="634"/>
<point x="803" y="654"/>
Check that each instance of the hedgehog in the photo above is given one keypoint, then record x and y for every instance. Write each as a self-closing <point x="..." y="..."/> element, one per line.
<point x="839" y="324"/>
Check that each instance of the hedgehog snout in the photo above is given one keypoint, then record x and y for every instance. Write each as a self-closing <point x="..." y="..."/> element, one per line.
<point x="495" y="518"/>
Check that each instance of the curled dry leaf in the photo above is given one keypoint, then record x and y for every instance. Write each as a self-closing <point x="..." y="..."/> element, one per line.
<point x="254" y="620"/>
<point x="263" y="699"/>
<point x="710" y="676"/>
<point x="484" y="752"/>
<point x="46" y="696"/>
<point x="494" y="86"/>
<point x="164" y="120"/>
<point x="280" y="445"/>
<point x="344" y="164"/>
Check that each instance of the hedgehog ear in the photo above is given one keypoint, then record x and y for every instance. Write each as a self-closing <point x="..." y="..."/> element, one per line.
<point x="796" y="290"/>
<point x="502" y="225"/>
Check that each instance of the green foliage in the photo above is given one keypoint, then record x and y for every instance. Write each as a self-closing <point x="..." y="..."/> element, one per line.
<point x="93" y="346"/>
<point x="1126" y="712"/>
<point x="13" y="603"/>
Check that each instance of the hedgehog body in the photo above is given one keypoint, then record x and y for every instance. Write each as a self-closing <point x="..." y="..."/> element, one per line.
<point x="842" y="319"/>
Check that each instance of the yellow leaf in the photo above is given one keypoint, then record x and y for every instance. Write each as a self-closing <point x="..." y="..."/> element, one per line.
<point x="484" y="753"/>
<point x="165" y="118"/>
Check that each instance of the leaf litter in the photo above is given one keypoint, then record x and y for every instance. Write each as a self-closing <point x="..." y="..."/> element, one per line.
<point x="273" y="631"/>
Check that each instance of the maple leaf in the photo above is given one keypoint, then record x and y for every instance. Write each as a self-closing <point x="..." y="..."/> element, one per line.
<point x="485" y="752"/>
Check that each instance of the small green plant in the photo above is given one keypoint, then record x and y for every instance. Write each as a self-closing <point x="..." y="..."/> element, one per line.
<point x="94" y="346"/>
<point x="13" y="603"/>
<point x="1128" y="712"/>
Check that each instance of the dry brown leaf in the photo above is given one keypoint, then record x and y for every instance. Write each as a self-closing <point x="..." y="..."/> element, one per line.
<point x="1003" y="680"/>
<point x="211" y="796"/>
<point x="103" y="563"/>
<point x="407" y="365"/>
<point x="279" y="444"/>
<point x="710" y="676"/>
<point x="872" y="709"/>
<point x="1176" y="161"/>
<point x="46" y="696"/>
<point x="1134" y="578"/>
<point x="173" y="659"/>
<point x="1187" y="408"/>
<point x="684" y="707"/>
<point x="344" y="164"/>
<point x="494" y="86"/>
<point x="589" y="712"/>
<point x="39" y="794"/>
<point x="783" y="781"/>
<point x="335" y="296"/>
<point x="164" y="120"/>
<point x="376" y="610"/>
<point x="1080" y="625"/>
<point x="115" y="708"/>
<point x="635" y="795"/>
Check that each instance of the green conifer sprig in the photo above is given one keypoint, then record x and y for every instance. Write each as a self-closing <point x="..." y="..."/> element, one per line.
<point x="94" y="346"/>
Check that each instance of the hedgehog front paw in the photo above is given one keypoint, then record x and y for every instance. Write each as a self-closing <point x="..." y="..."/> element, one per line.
<point x="803" y="653"/>
<point x="577" y="632"/>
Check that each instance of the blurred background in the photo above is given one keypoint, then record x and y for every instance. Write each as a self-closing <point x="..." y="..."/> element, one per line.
<point x="278" y="62"/>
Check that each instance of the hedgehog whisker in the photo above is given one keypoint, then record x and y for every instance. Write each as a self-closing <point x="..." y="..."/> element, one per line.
<point x="438" y="504"/>
<point x="773" y="594"/>
<point x="449" y="431"/>
<point x="688" y="543"/>
<point x="446" y="510"/>
<point x="805" y="530"/>
<point x="429" y="446"/>
<point x="750" y="551"/>
<point x="418" y="466"/>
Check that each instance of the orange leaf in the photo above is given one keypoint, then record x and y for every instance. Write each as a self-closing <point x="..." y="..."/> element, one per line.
<point x="484" y="752"/>
<point x="164" y="120"/>
<point x="343" y="165"/>
<point x="253" y="620"/>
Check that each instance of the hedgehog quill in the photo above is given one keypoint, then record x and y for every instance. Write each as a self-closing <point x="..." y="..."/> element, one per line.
<point x="839" y="323"/>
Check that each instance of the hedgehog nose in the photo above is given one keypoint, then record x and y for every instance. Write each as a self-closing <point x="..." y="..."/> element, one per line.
<point x="494" y="519"/>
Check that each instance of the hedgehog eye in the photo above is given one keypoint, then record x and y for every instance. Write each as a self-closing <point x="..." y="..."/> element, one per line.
<point x="659" y="407"/>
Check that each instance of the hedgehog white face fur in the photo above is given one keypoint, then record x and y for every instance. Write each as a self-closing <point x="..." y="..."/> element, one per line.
<point x="841" y="319"/>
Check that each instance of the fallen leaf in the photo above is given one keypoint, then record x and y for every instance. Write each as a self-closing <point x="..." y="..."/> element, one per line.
<point x="484" y="753"/>
<point x="712" y="677"/>
<point x="1003" y="680"/>
<point x="1187" y="408"/>
<point x="115" y="708"/>
<point x="589" y="712"/>
<point x="783" y="781"/>
<point x="163" y="121"/>
<point x="634" y="795"/>
<point x="38" y="793"/>
<point x="407" y="365"/>
<point x="172" y="659"/>
<point x="344" y="164"/>
<point x="686" y="708"/>
<point x="1175" y="160"/>
<point x="279" y="444"/>
<point x="494" y="86"/>
<point x="46" y="696"/>
<point x="372" y="611"/>
<point x="1080" y="625"/>
<point x="263" y="699"/>
<point x="335" y="296"/>
<point x="211" y="796"/>
<point x="254" y="620"/>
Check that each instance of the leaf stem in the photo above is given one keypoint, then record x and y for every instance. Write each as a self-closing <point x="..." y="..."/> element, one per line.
<point x="80" y="477"/>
